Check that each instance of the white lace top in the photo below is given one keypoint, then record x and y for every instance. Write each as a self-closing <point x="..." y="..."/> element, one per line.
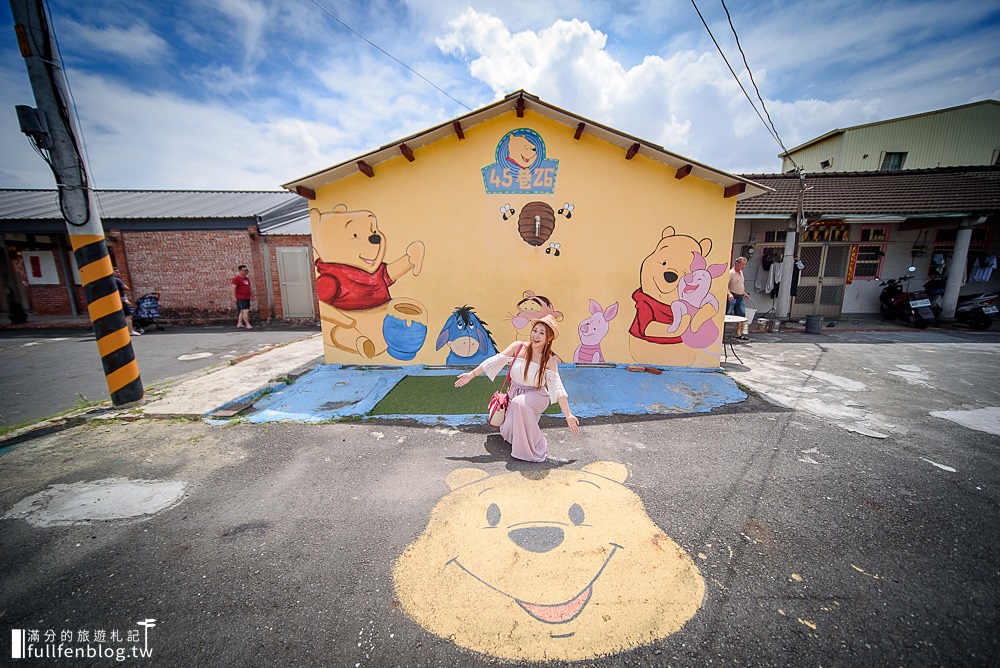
<point x="552" y="383"/>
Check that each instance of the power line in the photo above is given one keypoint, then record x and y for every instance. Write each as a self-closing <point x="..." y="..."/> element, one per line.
<point x="770" y="128"/>
<point x="754" y="82"/>
<point x="376" y="46"/>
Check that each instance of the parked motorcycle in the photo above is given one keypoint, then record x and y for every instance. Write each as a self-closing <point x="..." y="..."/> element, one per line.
<point x="974" y="311"/>
<point x="913" y="308"/>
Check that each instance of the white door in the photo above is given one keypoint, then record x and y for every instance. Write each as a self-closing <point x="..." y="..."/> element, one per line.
<point x="296" y="278"/>
<point x="822" y="282"/>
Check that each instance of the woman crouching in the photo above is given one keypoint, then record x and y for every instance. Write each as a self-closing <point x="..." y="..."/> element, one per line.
<point x="534" y="384"/>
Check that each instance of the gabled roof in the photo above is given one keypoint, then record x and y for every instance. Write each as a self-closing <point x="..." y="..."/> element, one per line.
<point x="839" y="131"/>
<point x="945" y="191"/>
<point x="510" y="103"/>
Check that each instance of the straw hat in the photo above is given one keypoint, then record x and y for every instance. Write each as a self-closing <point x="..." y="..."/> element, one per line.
<point x="548" y="320"/>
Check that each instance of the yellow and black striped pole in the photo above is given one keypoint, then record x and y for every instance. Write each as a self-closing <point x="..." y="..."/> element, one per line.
<point x="52" y="129"/>
<point x="107" y="317"/>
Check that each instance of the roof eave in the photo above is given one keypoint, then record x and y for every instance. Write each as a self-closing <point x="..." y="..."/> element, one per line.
<point x="333" y="174"/>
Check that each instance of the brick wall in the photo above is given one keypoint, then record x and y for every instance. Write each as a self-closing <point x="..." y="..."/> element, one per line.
<point x="192" y="270"/>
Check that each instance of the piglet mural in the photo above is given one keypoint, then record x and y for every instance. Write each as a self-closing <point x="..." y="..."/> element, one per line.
<point x="592" y="330"/>
<point x="696" y="306"/>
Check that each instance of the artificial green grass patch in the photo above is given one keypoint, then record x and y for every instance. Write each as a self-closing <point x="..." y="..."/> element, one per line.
<point x="437" y="395"/>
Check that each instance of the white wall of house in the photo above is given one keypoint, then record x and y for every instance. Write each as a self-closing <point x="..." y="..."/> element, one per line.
<point x="902" y="250"/>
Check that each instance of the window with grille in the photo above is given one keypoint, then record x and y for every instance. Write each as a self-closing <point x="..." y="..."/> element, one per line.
<point x="893" y="162"/>
<point x="869" y="263"/>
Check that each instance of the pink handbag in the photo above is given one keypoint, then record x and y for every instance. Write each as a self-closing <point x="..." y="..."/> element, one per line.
<point x="497" y="408"/>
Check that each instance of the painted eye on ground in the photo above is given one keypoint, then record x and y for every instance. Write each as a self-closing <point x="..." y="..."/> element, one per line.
<point x="461" y="325"/>
<point x="493" y="514"/>
<point x="575" y="514"/>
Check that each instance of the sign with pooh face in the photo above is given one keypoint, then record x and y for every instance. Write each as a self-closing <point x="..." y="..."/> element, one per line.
<point x="560" y="564"/>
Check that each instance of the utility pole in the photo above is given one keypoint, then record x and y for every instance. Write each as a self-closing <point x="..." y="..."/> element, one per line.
<point x="784" y="306"/>
<point x="52" y="129"/>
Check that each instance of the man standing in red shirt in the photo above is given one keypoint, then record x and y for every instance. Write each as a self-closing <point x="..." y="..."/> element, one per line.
<point x="242" y="293"/>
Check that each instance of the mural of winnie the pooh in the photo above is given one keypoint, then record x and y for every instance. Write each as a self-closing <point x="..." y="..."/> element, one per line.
<point x="557" y="565"/>
<point x="358" y="313"/>
<point x="654" y="337"/>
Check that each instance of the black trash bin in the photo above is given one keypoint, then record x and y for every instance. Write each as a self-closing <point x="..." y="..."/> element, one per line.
<point x="814" y="324"/>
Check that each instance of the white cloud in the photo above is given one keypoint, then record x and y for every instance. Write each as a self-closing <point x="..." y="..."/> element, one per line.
<point x="136" y="43"/>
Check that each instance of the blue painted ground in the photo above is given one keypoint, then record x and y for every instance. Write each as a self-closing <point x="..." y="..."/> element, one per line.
<point x="334" y="392"/>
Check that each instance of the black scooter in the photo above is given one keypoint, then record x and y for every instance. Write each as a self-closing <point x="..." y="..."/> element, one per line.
<point x="913" y="308"/>
<point x="974" y="311"/>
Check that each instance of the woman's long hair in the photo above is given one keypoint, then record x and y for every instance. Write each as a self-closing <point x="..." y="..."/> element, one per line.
<point x="546" y="355"/>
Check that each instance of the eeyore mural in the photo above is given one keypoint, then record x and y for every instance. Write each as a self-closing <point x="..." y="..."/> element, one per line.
<point x="467" y="337"/>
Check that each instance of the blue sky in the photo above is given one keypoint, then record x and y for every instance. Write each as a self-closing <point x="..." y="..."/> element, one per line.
<point x="250" y="94"/>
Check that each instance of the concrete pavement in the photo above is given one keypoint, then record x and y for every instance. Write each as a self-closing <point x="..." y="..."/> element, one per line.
<point x="774" y="535"/>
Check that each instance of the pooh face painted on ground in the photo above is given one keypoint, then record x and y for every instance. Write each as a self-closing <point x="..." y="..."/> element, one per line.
<point x="560" y="565"/>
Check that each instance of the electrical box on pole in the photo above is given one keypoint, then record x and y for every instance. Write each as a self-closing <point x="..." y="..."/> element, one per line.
<point x="52" y="129"/>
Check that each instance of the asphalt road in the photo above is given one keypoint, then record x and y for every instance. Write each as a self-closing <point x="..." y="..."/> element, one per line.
<point x="814" y="543"/>
<point x="49" y="372"/>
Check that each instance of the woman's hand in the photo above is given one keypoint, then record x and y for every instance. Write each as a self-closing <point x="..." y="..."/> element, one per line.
<point x="573" y="422"/>
<point x="463" y="379"/>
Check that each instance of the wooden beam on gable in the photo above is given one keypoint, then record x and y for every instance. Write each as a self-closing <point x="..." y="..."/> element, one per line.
<point x="458" y="129"/>
<point x="520" y="107"/>
<point x="308" y="193"/>
<point x="632" y="150"/>
<point x="682" y="172"/>
<point x="735" y="189"/>
<point x="366" y="169"/>
<point x="406" y="151"/>
<point x="579" y="130"/>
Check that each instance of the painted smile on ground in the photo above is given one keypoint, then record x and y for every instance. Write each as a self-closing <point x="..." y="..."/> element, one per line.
<point x="558" y="613"/>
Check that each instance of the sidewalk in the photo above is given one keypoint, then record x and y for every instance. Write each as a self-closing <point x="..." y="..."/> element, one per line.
<point x="290" y="382"/>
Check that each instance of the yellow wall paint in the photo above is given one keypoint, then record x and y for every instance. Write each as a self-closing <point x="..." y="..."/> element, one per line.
<point x="473" y="257"/>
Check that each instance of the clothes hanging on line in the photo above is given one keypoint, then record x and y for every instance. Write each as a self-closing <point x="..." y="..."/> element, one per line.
<point x="981" y="271"/>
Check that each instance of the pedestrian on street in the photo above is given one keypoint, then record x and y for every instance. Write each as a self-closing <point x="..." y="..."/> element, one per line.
<point x="242" y="293"/>
<point x="737" y="294"/>
<point x="123" y="291"/>
<point x="534" y="384"/>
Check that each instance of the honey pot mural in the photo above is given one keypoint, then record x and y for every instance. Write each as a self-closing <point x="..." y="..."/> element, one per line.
<point x="514" y="217"/>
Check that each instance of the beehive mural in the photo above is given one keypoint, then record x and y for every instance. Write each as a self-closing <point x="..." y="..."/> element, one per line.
<point x="515" y="210"/>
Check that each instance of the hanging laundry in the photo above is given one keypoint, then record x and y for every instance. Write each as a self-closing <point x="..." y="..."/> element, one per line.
<point x="981" y="271"/>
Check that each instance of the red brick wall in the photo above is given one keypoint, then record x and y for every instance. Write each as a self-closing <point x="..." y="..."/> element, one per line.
<point x="192" y="270"/>
<point x="285" y="240"/>
<point x="52" y="299"/>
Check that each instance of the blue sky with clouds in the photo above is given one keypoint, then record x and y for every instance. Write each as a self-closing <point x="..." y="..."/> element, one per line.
<point x="250" y="94"/>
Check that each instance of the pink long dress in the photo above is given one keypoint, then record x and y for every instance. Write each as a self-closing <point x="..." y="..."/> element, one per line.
<point x="520" y="427"/>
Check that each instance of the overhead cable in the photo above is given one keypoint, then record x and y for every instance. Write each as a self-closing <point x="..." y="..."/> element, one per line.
<point x="376" y="46"/>
<point x="770" y="128"/>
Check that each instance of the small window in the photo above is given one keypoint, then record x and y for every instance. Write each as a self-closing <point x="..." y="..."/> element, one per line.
<point x="826" y="164"/>
<point x="775" y="236"/>
<point x="874" y="233"/>
<point x="893" y="162"/>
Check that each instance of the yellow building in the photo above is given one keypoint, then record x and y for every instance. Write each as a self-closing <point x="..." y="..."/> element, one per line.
<point x="439" y="248"/>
